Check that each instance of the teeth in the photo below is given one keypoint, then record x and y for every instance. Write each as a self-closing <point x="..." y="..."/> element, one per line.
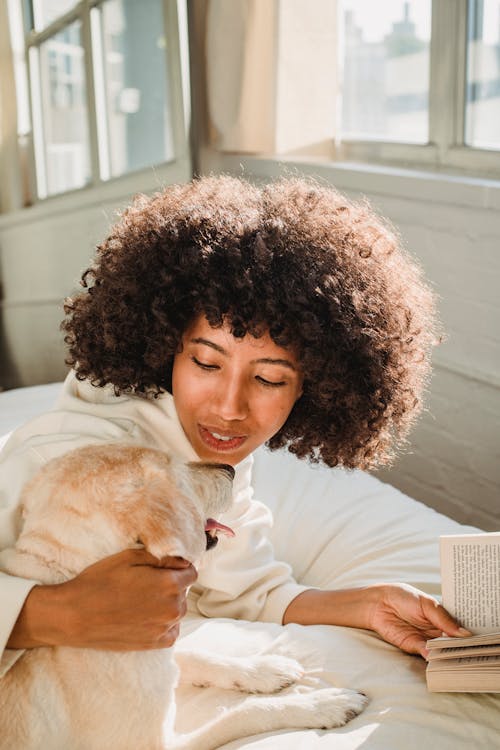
<point x="221" y="437"/>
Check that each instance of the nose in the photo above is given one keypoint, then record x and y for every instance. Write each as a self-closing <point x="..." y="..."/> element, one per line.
<point x="231" y="400"/>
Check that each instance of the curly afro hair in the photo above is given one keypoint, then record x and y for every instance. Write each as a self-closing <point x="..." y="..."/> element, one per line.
<point x="323" y="275"/>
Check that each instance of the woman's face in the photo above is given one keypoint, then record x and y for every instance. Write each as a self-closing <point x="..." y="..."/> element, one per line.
<point x="231" y="394"/>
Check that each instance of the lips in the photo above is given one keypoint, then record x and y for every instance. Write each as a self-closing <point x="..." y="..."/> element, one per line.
<point x="220" y="441"/>
<point x="212" y="529"/>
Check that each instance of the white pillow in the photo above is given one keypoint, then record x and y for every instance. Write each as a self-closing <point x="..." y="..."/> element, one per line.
<point x="347" y="528"/>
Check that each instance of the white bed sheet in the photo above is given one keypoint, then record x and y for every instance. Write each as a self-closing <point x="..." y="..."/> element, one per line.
<point x="337" y="529"/>
<point x="21" y="404"/>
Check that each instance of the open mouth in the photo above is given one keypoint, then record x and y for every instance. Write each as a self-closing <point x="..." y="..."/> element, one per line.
<point x="212" y="529"/>
<point x="218" y="442"/>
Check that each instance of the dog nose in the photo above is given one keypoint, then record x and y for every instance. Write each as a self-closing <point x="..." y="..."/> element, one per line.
<point x="212" y="465"/>
<point x="212" y="541"/>
<point x="227" y="468"/>
<point x="223" y="467"/>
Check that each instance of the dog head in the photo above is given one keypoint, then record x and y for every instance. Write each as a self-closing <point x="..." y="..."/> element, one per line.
<point x="98" y="500"/>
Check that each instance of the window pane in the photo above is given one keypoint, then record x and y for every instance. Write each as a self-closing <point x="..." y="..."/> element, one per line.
<point x="136" y="84"/>
<point x="385" y="61"/>
<point x="483" y="75"/>
<point x="64" y="110"/>
<point x="46" y="11"/>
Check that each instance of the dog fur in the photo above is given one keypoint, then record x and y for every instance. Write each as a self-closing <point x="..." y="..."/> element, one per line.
<point x="96" y="501"/>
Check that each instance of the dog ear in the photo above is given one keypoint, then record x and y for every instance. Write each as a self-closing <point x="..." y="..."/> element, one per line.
<point x="167" y="524"/>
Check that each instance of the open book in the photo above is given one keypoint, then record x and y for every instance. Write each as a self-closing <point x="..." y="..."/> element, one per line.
<point x="470" y="575"/>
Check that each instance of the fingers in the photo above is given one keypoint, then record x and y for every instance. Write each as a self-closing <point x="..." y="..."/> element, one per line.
<point x="143" y="557"/>
<point x="140" y="556"/>
<point x="441" y="619"/>
<point x="168" y="638"/>
<point x="441" y="622"/>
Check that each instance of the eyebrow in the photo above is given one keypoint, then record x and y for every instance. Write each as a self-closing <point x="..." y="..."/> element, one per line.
<point x="261" y="360"/>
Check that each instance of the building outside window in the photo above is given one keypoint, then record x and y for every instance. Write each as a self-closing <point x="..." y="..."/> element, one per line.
<point x="104" y="88"/>
<point x="420" y="82"/>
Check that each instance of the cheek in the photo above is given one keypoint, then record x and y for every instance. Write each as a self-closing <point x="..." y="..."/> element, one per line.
<point x="181" y="387"/>
<point x="188" y="394"/>
<point x="181" y="378"/>
<point x="276" y="415"/>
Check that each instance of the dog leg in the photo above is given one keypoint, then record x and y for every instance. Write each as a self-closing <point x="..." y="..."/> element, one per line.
<point x="319" y="709"/>
<point x="268" y="673"/>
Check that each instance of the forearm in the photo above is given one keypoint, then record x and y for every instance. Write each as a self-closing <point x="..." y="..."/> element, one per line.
<point x="43" y="620"/>
<point x="348" y="607"/>
<point x="125" y="602"/>
<point x="400" y="613"/>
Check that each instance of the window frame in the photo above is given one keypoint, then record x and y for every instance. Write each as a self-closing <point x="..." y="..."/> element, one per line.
<point x="100" y="175"/>
<point x="446" y="150"/>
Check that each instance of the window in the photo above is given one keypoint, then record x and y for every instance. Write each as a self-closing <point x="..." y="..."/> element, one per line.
<point x="482" y="120"/>
<point x="137" y="98"/>
<point x="420" y="83"/>
<point x="105" y="88"/>
<point x="386" y="71"/>
<point x="58" y="72"/>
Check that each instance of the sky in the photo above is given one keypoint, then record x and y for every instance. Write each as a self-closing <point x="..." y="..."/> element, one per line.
<point x="376" y="18"/>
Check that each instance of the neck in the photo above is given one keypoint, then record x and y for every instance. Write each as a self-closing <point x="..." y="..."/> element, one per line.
<point x="41" y="556"/>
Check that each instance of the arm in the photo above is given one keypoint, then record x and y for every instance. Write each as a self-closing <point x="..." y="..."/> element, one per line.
<point x="126" y="602"/>
<point x="400" y="614"/>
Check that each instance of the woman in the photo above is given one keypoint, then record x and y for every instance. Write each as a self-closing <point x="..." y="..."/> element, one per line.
<point x="218" y="317"/>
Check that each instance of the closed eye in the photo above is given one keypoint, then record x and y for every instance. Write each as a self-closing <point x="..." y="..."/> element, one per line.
<point x="270" y="383"/>
<point x="204" y="365"/>
<point x="209" y="367"/>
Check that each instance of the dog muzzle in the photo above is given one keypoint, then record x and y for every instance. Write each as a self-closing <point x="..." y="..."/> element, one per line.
<point x="213" y="529"/>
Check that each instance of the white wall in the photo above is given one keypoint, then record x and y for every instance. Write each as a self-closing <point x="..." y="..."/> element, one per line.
<point x="452" y="225"/>
<point x="43" y="251"/>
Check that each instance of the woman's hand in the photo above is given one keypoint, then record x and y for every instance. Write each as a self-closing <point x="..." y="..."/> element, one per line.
<point x="407" y="618"/>
<point x="127" y="602"/>
<point x="401" y="614"/>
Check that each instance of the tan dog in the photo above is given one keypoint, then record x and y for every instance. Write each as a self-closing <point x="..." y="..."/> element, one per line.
<point x="94" y="502"/>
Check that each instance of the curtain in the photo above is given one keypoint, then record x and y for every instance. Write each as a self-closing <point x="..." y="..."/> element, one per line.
<point x="270" y="73"/>
<point x="240" y="37"/>
<point x="11" y="188"/>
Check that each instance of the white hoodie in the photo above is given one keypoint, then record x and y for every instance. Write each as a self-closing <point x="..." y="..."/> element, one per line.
<point x="240" y="578"/>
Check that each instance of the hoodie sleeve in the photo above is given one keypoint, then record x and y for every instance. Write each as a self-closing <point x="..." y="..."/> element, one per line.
<point x="27" y="450"/>
<point x="14" y="472"/>
<point x="240" y="578"/>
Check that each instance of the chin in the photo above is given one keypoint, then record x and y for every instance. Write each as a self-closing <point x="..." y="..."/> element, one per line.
<point x="218" y="457"/>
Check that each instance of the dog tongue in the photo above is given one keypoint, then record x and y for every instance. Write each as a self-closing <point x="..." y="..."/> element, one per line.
<point x="212" y="525"/>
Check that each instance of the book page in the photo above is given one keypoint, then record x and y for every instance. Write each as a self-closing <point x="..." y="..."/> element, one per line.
<point x="443" y="642"/>
<point x="470" y="573"/>
<point x="460" y="652"/>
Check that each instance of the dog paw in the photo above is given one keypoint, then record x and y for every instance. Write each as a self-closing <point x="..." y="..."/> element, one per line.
<point x="267" y="674"/>
<point x="331" y="707"/>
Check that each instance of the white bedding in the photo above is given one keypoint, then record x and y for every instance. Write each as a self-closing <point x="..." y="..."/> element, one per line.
<point x="336" y="529"/>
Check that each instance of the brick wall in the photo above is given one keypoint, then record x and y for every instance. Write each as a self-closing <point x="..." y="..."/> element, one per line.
<point x="453" y="463"/>
<point x="454" y="459"/>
